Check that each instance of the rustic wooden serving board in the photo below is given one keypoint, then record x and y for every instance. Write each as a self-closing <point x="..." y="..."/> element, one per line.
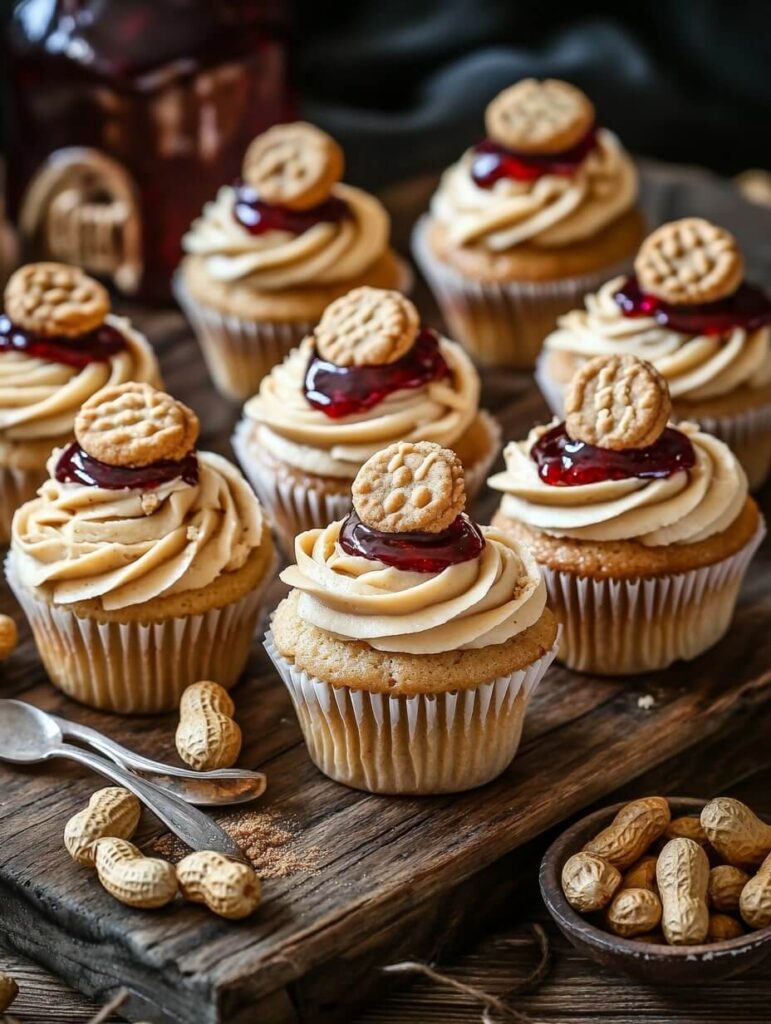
<point x="392" y="876"/>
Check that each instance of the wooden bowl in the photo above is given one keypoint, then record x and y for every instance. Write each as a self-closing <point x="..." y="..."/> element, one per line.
<point x="657" y="965"/>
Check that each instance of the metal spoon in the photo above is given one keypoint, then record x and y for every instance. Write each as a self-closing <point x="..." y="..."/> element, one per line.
<point x="28" y="736"/>
<point x="214" y="789"/>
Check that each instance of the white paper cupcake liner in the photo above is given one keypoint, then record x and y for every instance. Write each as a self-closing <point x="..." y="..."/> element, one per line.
<point x="502" y="324"/>
<point x="443" y="743"/>
<point x="622" y="627"/>
<point x="133" y="667"/>
<point x="238" y="353"/>
<point x="16" y="487"/>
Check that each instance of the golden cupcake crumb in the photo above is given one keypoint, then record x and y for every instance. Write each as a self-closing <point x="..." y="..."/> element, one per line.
<point x="55" y="299"/>
<point x="410" y="487"/>
<point x="367" y="327"/>
<point x="617" y="402"/>
<point x="293" y="165"/>
<point x="539" y="116"/>
<point x="689" y="261"/>
<point x="135" y="425"/>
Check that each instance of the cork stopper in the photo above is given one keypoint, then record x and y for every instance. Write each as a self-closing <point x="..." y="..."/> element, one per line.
<point x="409" y="487"/>
<point x="293" y="165"/>
<point x="367" y="327"/>
<point x="617" y="402"/>
<point x="688" y="262"/>
<point x="135" y="425"/>
<point x="542" y="117"/>
<point x="55" y="300"/>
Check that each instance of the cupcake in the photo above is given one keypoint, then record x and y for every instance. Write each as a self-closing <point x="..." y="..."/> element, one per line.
<point x="271" y="252"/>
<point x="412" y="639"/>
<point x="688" y="311"/>
<point x="643" y="530"/>
<point x="528" y="221"/>
<point x="59" y="344"/>
<point x="141" y="563"/>
<point x="368" y="375"/>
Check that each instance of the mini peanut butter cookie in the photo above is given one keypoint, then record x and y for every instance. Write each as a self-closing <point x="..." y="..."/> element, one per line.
<point x="617" y="402"/>
<point x="539" y="116"/>
<point x="367" y="327"/>
<point x="293" y="165"/>
<point x="410" y="487"/>
<point x="55" y="299"/>
<point x="689" y="261"/>
<point x="135" y="425"/>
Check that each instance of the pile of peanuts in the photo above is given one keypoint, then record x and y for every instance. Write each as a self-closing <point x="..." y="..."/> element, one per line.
<point x="680" y="881"/>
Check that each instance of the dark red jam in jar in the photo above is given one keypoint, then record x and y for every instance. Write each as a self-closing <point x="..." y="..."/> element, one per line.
<point x="257" y="217"/>
<point x="563" y="462"/>
<point x="413" y="552"/>
<point x="491" y="162"/>
<point x="344" y="390"/>
<point x="96" y="346"/>
<point x="76" y="466"/>
<point x="749" y="307"/>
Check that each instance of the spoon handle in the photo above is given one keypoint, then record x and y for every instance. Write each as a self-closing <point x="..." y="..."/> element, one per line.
<point x="192" y="826"/>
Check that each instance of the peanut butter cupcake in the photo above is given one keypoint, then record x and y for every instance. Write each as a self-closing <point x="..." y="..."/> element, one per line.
<point x="368" y="375"/>
<point x="528" y="221"/>
<point x="643" y="530"/>
<point x="273" y="250"/>
<point x="412" y="639"/>
<point x="141" y="563"/>
<point x="688" y="310"/>
<point x="59" y="344"/>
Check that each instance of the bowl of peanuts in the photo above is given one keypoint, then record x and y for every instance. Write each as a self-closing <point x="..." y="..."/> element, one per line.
<point x="670" y="890"/>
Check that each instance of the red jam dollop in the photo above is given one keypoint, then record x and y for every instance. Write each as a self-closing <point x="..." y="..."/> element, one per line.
<point x="258" y="217"/>
<point x="749" y="307"/>
<point x="96" y="346"/>
<point x="563" y="462"/>
<point x="76" y="466"/>
<point x="344" y="390"/>
<point x="491" y="162"/>
<point x="413" y="552"/>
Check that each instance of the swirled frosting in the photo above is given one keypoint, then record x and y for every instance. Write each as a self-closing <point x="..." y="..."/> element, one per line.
<point x="695" y="366"/>
<point x="326" y="253"/>
<point x="552" y="211"/>
<point x="683" y="508"/>
<point x="40" y="398"/>
<point x="292" y="430"/>
<point x="126" y="547"/>
<point x="472" y="604"/>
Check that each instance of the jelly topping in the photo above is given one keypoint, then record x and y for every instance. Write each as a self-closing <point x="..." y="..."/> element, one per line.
<point x="258" y="217"/>
<point x="76" y="466"/>
<point x="749" y="307"/>
<point x="491" y="162"/>
<point x="413" y="552"/>
<point x="93" y="347"/>
<point x="563" y="462"/>
<point x="343" y="390"/>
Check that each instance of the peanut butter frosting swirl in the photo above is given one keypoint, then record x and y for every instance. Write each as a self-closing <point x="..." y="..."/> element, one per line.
<point x="472" y="604"/>
<point x="40" y="398"/>
<point x="684" y="508"/>
<point x="552" y="211"/>
<point x="695" y="366"/>
<point x="126" y="547"/>
<point x="326" y="253"/>
<point x="295" y="432"/>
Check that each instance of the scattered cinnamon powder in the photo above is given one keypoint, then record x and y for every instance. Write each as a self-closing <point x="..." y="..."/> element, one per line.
<point x="267" y="840"/>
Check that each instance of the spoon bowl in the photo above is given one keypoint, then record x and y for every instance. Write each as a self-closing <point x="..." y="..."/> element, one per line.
<point x="27" y="735"/>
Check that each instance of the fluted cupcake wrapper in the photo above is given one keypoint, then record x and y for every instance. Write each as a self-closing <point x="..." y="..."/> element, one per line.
<point x="133" y="667"/>
<point x="622" y="627"/>
<point x="294" y="507"/>
<point x="442" y="743"/>
<point x="747" y="432"/>
<point x="238" y="352"/>
<point x="502" y="324"/>
<point x="16" y="487"/>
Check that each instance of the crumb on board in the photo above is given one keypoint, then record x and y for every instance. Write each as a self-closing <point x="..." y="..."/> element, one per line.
<point x="647" y="702"/>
